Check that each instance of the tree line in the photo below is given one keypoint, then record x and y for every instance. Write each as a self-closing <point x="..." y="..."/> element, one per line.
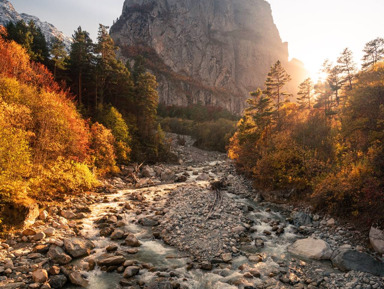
<point x="327" y="146"/>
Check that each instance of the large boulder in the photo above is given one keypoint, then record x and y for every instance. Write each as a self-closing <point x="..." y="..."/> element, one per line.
<point x="376" y="237"/>
<point x="111" y="261"/>
<point x="301" y="219"/>
<point x="311" y="248"/>
<point x="77" y="279"/>
<point x="78" y="247"/>
<point x="347" y="260"/>
<point x="57" y="255"/>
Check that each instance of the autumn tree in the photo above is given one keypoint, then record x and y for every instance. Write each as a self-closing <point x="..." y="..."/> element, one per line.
<point x="305" y="94"/>
<point x="373" y="52"/>
<point x="276" y="80"/>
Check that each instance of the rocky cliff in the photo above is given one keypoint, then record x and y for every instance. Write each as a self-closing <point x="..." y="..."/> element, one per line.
<point x="9" y="14"/>
<point x="208" y="51"/>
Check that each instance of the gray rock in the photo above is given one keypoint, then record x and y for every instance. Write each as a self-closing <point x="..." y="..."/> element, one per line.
<point x="57" y="255"/>
<point x="77" y="279"/>
<point x="311" y="248"/>
<point x="167" y="175"/>
<point x="347" y="260"/>
<point x="301" y="219"/>
<point x="131" y="271"/>
<point x="78" y="247"/>
<point x="376" y="238"/>
<point x="148" y="222"/>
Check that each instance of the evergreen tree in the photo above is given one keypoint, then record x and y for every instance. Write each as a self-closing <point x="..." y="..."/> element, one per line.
<point x="58" y="55"/>
<point x="276" y="80"/>
<point x="305" y="94"/>
<point x="347" y="67"/>
<point x="374" y="52"/>
<point x="81" y="64"/>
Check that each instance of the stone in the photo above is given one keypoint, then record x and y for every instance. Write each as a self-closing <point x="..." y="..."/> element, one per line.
<point x="331" y="222"/>
<point x="376" y="238"/>
<point x="203" y="177"/>
<point x="111" y="248"/>
<point x="111" y="261"/>
<point x="34" y="286"/>
<point x="132" y="241"/>
<point x="77" y="279"/>
<point x="227" y="257"/>
<point x="147" y="172"/>
<point x="301" y="219"/>
<point x="347" y="260"/>
<point x="68" y="214"/>
<point x="206" y="265"/>
<point x="58" y="281"/>
<point x="39" y="236"/>
<point x="54" y="270"/>
<point x="117" y="234"/>
<point x="148" y="222"/>
<point x="78" y="247"/>
<point x="311" y="248"/>
<point x="16" y="285"/>
<point x="131" y="271"/>
<point x="49" y="232"/>
<point x="29" y="232"/>
<point x="167" y="175"/>
<point x="45" y="286"/>
<point x="40" y="276"/>
<point x="43" y="215"/>
<point x="57" y="255"/>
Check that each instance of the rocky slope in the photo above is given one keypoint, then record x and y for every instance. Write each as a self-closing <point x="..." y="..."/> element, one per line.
<point x="213" y="52"/>
<point x="8" y="13"/>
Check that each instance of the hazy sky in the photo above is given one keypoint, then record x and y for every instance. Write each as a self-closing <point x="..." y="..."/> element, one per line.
<point x="315" y="29"/>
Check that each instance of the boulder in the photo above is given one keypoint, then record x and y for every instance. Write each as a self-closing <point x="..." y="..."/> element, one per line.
<point x="203" y="177"/>
<point x="131" y="271"/>
<point x="147" y="172"/>
<point x="117" y="234"/>
<point x="77" y="279"/>
<point x="49" y="232"/>
<point x="301" y="219"/>
<point x="347" y="260"/>
<point x="132" y="241"/>
<point x="167" y="175"/>
<point x="148" y="222"/>
<point x="40" y="276"/>
<point x="57" y="281"/>
<point x="376" y="238"/>
<point x="111" y="261"/>
<point x="311" y="248"/>
<point x="68" y="214"/>
<point x="78" y="247"/>
<point x="57" y="255"/>
<point x="43" y="215"/>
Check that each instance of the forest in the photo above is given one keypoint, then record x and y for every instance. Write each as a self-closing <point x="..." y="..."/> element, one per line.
<point x="60" y="129"/>
<point x="326" y="148"/>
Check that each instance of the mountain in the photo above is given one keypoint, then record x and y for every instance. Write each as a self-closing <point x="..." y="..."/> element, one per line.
<point x="212" y="52"/>
<point x="8" y="13"/>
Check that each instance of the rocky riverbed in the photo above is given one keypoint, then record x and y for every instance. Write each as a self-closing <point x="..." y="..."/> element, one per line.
<point x="196" y="224"/>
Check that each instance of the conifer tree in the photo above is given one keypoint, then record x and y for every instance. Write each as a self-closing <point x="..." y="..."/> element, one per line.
<point x="58" y="55"/>
<point x="347" y="67"/>
<point x="305" y="94"/>
<point x="276" y="80"/>
<point x="374" y="52"/>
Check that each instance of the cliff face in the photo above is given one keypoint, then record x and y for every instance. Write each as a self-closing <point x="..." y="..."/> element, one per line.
<point x="208" y="51"/>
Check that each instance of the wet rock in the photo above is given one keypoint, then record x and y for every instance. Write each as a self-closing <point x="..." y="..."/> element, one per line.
<point x="376" y="238"/>
<point x="311" y="248"/>
<point x="77" y="279"/>
<point x="117" y="234"/>
<point x="161" y="285"/>
<point x="78" y="247"/>
<point x="131" y="271"/>
<point x="105" y="232"/>
<point x="45" y="286"/>
<point x="301" y="219"/>
<point x="111" y="248"/>
<point x="40" y="276"/>
<point x="132" y="250"/>
<point x="347" y="260"/>
<point x="132" y="241"/>
<point x="259" y="243"/>
<point x="148" y="222"/>
<point x="57" y="281"/>
<point x="111" y="261"/>
<point x="57" y="255"/>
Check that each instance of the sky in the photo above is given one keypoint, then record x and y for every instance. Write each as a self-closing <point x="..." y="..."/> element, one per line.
<point x="314" y="29"/>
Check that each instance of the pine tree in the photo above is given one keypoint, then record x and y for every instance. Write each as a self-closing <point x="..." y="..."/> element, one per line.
<point x="374" y="52"/>
<point x="305" y="94"/>
<point x="81" y="63"/>
<point x="347" y="67"/>
<point x="58" y="55"/>
<point x="260" y="108"/>
<point x="276" y="80"/>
